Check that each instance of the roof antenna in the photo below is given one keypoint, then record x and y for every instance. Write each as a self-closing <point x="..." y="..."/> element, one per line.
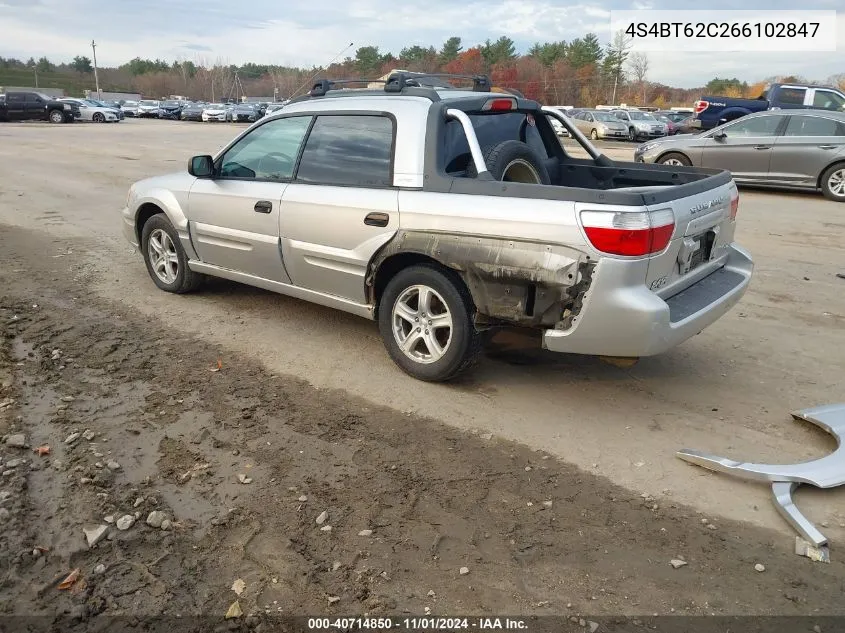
<point x="321" y="69"/>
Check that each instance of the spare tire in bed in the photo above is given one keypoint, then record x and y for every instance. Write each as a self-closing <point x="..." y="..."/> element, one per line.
<point x="513" y="161"/>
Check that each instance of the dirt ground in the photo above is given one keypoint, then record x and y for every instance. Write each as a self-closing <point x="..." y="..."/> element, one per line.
<point x="551" y="479"/>
<point x="166" y="433"/>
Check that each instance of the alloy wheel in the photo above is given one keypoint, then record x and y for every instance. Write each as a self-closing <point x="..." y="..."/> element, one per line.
<point x="836" y="183"/>
<point x="162" y="253"/>
<point x="422" y="324"/>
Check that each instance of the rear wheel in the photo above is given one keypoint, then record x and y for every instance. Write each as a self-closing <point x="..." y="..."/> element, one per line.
<point x="674" y="158"/>
<point x="632" y="134"/>
<point x="57" y="116"/>
<point x="167" y="262"/>
<point x="99" y="117"/>
<point x="425" y="320"/>
<point x="833" y="183"/>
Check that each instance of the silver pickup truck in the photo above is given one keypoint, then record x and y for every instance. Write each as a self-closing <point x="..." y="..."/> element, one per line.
<point x="443" y="213"/>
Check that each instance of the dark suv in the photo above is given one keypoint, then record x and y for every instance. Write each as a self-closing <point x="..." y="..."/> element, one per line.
<point x="35" y="106"/>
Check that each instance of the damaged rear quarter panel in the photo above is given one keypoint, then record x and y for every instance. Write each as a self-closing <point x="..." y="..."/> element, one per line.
<point x="517" y="281"/>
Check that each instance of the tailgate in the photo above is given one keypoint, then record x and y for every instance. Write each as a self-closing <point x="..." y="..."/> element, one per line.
<point x="703" y="231"/>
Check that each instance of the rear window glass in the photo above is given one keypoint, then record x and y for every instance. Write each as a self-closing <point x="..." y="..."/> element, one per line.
<point x="814" y="126"/>
<point x="792" y="96"/>
<point x="491" y="129"/>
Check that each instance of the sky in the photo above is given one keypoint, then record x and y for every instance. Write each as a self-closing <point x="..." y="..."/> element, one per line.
<point x="313" y="33"/>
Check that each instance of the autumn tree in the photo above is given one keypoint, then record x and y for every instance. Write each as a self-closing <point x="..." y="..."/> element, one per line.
<point x="639" y="68"/>
<point x="450" y="50"/>
<point x="502" y="50"/>
<point x="470" y="62"/>
<point x="549" y="52"/>
<point x="82" y="64"/>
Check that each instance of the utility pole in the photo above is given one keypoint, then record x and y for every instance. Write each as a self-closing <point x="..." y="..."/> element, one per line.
<point x="96" y="79"/>
<point x="36" y="77"/>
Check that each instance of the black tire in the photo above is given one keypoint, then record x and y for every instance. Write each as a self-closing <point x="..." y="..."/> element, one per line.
<point x="99" y="117"/>
<point x="594" y="135"/>
<point x="185" y="280"/>
<point x="464" y="344"/>
<point x="56" y="116"/>
<point x="501" y="157"/>
<point x="674" y="156"/>
<point x="827" y="191"/>
<point x="632" y="134"/>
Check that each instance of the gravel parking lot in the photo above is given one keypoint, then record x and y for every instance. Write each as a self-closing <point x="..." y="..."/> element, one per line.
<point x="609" y="433"/>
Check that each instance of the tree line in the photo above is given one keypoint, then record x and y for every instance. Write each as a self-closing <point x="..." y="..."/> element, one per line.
<point x="578" y="72"/>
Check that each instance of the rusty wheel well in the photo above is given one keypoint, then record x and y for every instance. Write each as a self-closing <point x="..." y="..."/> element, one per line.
<point x="147" y="210"/>
<point x="396" y="263"/>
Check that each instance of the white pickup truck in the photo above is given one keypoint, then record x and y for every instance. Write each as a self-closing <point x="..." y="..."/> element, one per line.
<point x="443" y="213"/>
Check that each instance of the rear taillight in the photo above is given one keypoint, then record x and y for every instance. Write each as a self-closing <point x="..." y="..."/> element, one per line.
<point x="629" y="233"/>
<point x="499" y="104"/>
<point x="701" y="106"/>
<point x="734" y="204"/>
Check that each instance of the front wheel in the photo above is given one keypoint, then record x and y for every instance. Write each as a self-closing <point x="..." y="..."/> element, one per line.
<point x="99" y="117"/>
<point x="57" y="116"/>
<point x="833" y="183"/>
<point x="673" y="158"/>
<point x="425" y="319"/>
<point x="167" y="262"/>
<point x="632" y="134"/>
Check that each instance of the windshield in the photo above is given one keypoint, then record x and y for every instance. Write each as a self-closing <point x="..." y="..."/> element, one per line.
<point x="96" y="104"/>
<point x="147" y="102"/>
<point x="171" y="104"/>
<point x="45" y="97"/>
<point x="604" y="116"/>
<point x="130" y="103"/>
<point x="215" y="106"/>
<point x="640" y="116"/>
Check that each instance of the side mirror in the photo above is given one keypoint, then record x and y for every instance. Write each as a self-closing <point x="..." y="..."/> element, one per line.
<point x="720" y="136"/>
<point x="201" y="166"/>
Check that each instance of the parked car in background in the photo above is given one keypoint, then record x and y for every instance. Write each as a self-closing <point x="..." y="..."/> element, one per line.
<point x="130" y="108"/>
<point x="92" y="111"/>
<point x="170" y="110"/>
<point x="599" y="124"/>
<point x="148" y="108"/>
<point x="274" y="107"/>
<point x="192" y="111"/>
<point x="711" y="111"/>
<point x="111" y="106"/>
<point x="671" y="128"/>
<point x="803" y="149"/>
<point x="35" y="106"/>
<point x="245" y="112"/>
<point x="216" y="112"/>
<point x="640" y="124"/>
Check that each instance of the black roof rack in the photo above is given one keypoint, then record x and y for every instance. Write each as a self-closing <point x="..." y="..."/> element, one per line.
<point x="397" y="82"/>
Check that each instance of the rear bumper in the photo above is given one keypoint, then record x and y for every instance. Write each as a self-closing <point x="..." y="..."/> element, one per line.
<point x="622" y="317"/>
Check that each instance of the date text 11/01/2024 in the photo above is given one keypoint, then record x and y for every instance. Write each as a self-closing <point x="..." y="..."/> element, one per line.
<point x="417" y="624"/>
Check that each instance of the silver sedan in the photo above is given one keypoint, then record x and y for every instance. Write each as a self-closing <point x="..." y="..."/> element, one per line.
<point x="794" y="149"/>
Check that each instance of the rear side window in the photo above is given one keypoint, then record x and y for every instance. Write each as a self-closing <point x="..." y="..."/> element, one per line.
<point x="792" y="96"/>
<point x="814" y="126"/>
<point x="828" y="100"/>
<point x="15" y="97"/>
<point x="348" y="150"/>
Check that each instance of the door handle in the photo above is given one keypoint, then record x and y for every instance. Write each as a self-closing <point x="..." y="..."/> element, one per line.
<point x="828" y="146"/>
<point x="762" y="147"/>
<point x="377" y="219"/>
<point x="263" y="206"/>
